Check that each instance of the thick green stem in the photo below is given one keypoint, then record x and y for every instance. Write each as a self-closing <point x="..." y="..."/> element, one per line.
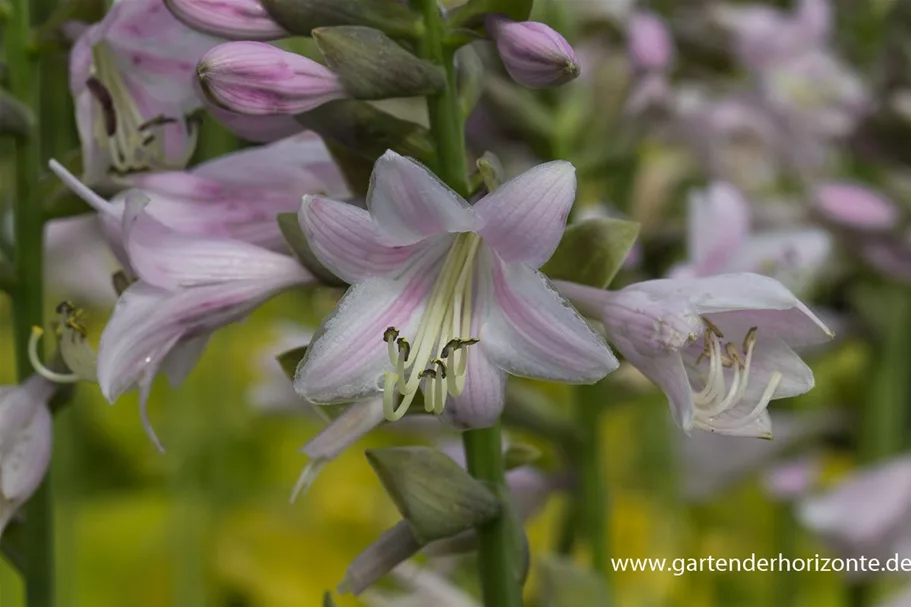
<point x="498" y="562"/>
<point x="498" y="558"/>
<point x="593" y="490"/>
<point x="27" y="296"/>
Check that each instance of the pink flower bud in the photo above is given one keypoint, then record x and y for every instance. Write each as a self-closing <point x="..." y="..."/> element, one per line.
<point x="259" y="79"/>
<point x="232" y="19"/>
<point x="534" y="54"/>
<point x="855" y="206"/>
<point x="649" y="42"/>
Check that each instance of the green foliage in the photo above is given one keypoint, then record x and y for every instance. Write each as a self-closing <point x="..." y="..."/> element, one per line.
<point x="592" y="251"/>
<point x="472" y="13"/>
<point x="564" y="584"/>
<point x="372" y="66"/>
<point x="436" y="496"/>
<point x="303" y="16"/>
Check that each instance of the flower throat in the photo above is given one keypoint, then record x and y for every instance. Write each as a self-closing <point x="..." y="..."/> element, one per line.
<point x="438" y="355"/>
<point x="133" y="143"/>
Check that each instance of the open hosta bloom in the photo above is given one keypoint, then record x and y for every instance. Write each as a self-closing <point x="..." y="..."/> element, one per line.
<point x="26" y="436"/>
<point x="131" y="76"/>
<point x="235" y="196"/>
<point x="719" y="242"/>
<point x="720" y="347"/>
<point x="445" y="296"/>
<point x="188" y="286"/>
<point x="869" y="514"/>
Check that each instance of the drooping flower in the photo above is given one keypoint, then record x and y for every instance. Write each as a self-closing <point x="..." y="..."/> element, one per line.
<point x="235" y="196"/>
<point x="533" y="53"/>
<point x="719" y="347"/>
<point x="188" y="286"/>
<point x="131" y="76"/>
<point x="231" y="19"/>
<point x="868" y="514"/>
<point x="719" y="242"/>
<point x="259" y="79"/>
<point x="446" y="297"/>
<point x="26" y="437"/>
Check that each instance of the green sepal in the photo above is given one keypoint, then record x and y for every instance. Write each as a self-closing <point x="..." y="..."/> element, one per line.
<point x="471" y="14"/>
<point x="592" y="252"/>
<point x="368" y="131"/>
<point x="565" y="584"/>
<point x="372" y="66"/>
<point x="435" y="495"/>
<point x="297" y="242"/>
<point x="301" y="17"/>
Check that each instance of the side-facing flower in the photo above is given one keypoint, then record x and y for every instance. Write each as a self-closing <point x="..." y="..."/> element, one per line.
<point x="187" y="287"/>
<point x="234" y="196"/>
<point x="131" y="76"/>
<point x="446" y="297"/>
<point x="26" y="436"/>
<point x="231" y="19"/>
<point x="868" y="514"/>
<point x="719" y="241"/>
<point x="259" y="79"/>
<point x="719" y="347"/>
<point x="534" y="54"/>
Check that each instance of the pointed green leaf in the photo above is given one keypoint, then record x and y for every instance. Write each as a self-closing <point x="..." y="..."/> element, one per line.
<point x="564" y="584"/>
<point x="372" y="66"/>
<point x="435" y="495"/>
<point x="592" y="252"/>
<point x="302" y="16"/>
<point x="294" y="236"/>
<point x="472" y="13"/>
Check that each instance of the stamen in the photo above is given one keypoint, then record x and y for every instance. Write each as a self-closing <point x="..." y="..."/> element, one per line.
<point x="39" y="367"/>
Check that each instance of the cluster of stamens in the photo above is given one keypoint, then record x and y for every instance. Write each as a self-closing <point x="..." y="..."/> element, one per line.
<point x="74" y="348"/>
<point x="717" y="396"/>
<point x="133" y="142"/>
<point x="439" y="357"/>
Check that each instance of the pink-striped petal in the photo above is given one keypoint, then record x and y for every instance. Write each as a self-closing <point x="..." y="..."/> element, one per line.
<point x="409" y="203"/>
<point x="480" y="404"/>
<point x="348" y="242"/>
<point x="719" y="223"/>
<point x="531" y="331"/>
<point x="523" y="220"/>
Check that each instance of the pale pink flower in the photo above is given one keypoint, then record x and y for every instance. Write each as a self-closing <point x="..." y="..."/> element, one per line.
<point x="719" y="347"/>
<point x="868" y="514"/>
<point x="719" y="241"/>
<point x="534" y="54"/>
<point x="26" y="438"/>
<point x="234" y="196"/>
<point x="258" y="79"/>
<point x="230" y="19"/>
<point x="131" y="76"/>
<point x="855" y="207"/>
<point x="649" y="42"/>
<point x="446" y="296"/>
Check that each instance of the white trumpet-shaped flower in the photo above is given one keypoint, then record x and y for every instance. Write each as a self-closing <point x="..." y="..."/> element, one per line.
<point x="445" y="297"/>
<point x="719" y="347"/>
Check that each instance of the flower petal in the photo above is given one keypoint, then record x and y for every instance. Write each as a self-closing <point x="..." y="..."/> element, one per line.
<point x="183" y="357"/>
<point x="349" y="242"/>
<point x="792" y="257"/>
<point x="523" y="220"/>
<point x="531" y="331"/>
<point x="480" y="404"/>
<point x="25" y="463"/>
<point x="409" y="203"/>
<point x="719" y="223"/>
<point x="168" y="259"/>
<point x="348" y="356"/>
<point x="758" y="300"/>
<point x="668" y="373"/>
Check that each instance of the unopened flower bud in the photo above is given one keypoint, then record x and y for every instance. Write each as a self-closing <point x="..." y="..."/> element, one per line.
<point x="649" y="42"/>
<point x="855" y="206"/>
<point x="231" y="19"/>
<point x="259" y="79"/>
<point x="534" y="54"/>
<point x="434" y="494"/>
